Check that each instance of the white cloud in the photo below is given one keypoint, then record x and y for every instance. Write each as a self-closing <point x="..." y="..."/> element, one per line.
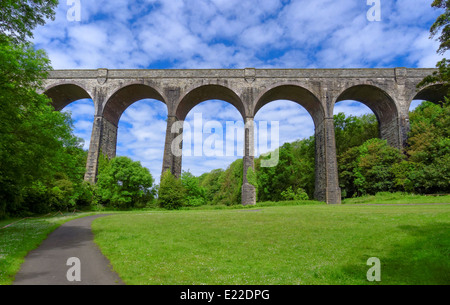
<point x="82" y="113"/>
<point x="141" y="134"/>
<point x="231" y="34"/>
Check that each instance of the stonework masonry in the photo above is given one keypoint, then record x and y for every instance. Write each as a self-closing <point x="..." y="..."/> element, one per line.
<point x="387" y="92"/>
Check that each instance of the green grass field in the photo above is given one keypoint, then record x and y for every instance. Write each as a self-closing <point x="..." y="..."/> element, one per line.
<point x="303" y="244"/>
<point x="272" y="243"/>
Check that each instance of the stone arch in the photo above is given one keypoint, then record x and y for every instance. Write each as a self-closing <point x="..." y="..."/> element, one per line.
<point x="382" y="105"/>
<point x="434" y="93"/>
<point x="126" y="95"/>
<point x="208" y="92"/>
<point x="63" y="94"/>
<point x="326" y="177"/>
<point x="297" y="94"/>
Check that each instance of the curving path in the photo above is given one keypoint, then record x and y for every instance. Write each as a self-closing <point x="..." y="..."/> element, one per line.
<point x="47" y="265"/>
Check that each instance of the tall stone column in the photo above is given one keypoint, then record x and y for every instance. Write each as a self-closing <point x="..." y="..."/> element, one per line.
<point x="327" y="178"/>
<point x="173" y="146"/>
<point x="94" y="150"/>
<point x="390" y="131"/>
<point x="103" y="140"/>
<point x="248" y="196"/>
<point x="109" y="139"/>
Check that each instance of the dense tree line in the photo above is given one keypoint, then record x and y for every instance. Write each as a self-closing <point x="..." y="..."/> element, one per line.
<point x="41" y="162"/>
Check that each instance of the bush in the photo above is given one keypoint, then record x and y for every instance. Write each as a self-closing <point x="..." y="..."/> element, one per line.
<point x="171" y="194"/>
<point x="370" y="168"/>
<point x="195" y="194"/>
<point x="299" y="194"/>
<point x="124" y="184"/>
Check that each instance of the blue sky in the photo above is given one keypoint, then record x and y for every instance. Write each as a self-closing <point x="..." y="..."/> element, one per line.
<point x="168" y="34"/>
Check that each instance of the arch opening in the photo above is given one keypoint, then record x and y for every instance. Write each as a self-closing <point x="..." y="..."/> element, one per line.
<point x="82" y="114"/>
<point x="297" y="94"/>
<point x="205" y="93"/>
<point x="126" y="96"/>
<point x="76" y="101"/>
<point x="134" y="125"/>
<point x="382" y="105"/>
<point x="213" y="137"/>
<point x="432" y="93"/>
<point x="288" y="126"/>
<point x="326" y="186"/>
<point x="141" y="134"/>
<point x="65" y="94"/>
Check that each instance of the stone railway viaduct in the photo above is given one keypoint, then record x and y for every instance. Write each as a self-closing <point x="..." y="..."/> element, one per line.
<point x="387" y="92"/>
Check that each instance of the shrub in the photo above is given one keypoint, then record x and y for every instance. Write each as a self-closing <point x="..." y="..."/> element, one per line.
<point x="195" y="194"/>
<point x="299" y="194"/>
<point x="124" y="183"/>
<point x="171" y="192"/>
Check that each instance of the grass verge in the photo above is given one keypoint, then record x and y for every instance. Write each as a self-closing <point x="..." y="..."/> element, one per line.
<point x="23" y="236"/>
<point x="397" y="198"/>
<point x="303" y="244"/>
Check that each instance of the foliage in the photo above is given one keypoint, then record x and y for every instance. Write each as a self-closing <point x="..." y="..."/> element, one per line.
<point x="295" y="168"/>
<point x="195" y="194"/>
<point x="224" y="187"/>
<point x="442" y="25"/>
<point x="429" y="149"/>
<point x="210" y="182"/>
<point x="299" y="194"/>
<point x="252" y="177"/>
<point x="351" y="131"/>
<point x="37" y="142"/>
<point x="367" y="169"/>
<point x="171" y="193"/>
<point x="442" y="75"/>
<point x="18" y="18"/>
<point x="123" y="183"/>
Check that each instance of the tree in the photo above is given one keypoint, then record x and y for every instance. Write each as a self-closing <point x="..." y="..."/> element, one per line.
<point x="34" y="139"/>
<point x="171" y="193"/>
<point x="18" y="18"/>
<point x="42" y="163"/>
<point x="295" y="169"/>
<point x="429" y="149"/>
<point x="368" y="168"/>
<point x="351" y="131"/>
<point x="442" y="26"/>
<point x="210" y="182"/>
<point x="195" y="194"/>
<point x="230" y="184"/>
<point x="124" y="183"/>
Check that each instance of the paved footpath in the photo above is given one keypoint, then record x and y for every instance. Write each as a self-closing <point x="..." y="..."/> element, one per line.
<point x="47" y="265"/>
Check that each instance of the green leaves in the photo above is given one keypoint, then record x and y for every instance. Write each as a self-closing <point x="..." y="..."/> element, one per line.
<point x="442" y="25"/>
<point x="171" y="194"/>
<point x="123" y="183"/>
<point x="195" y="194"/>
<point x="36" y="142"/>
<point x="429" y="148"/>
<point x="18" y="18"/>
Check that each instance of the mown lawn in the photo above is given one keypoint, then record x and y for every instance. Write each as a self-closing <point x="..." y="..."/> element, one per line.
<point x="304" y="244"/>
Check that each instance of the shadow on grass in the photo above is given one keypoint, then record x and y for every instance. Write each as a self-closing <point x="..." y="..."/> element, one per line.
<point x="422" y="258"/>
